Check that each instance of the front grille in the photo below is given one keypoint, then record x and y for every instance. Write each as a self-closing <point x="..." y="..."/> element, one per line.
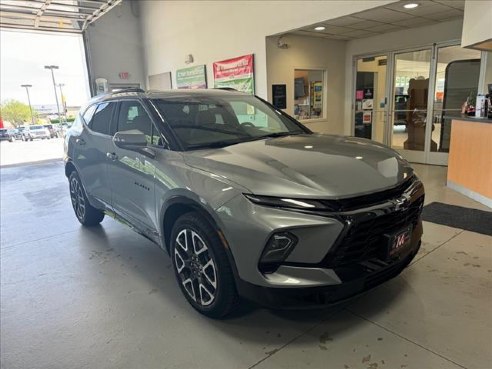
<point x="364" y="236"/>
<point x="371" y="199"/>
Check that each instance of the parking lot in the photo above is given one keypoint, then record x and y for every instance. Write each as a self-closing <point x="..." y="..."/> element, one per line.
<point x="105" y="297"/>
<point x="17" y="152"/>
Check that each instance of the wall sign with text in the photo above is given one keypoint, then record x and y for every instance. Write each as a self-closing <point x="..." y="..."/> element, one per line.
<point x="237" y="73"/>
<point x="191" y="77"/>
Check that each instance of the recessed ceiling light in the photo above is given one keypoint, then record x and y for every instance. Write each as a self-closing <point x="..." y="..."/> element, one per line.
<point x="410" y="5"/>
<point x="319" y="28"/>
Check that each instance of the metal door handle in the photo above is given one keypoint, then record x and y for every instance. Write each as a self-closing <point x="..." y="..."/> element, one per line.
<point x="111" y="155"/>
<point x="80" y="141"/>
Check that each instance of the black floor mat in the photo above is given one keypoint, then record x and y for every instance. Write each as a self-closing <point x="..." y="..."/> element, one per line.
<point x="459" y="217"/>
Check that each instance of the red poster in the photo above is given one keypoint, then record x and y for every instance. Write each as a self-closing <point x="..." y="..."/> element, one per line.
<point x="237" y="73"/>
<point x="234" y="67"/>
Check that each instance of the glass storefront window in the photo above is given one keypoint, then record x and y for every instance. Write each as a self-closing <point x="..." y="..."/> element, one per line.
<point x="457" y="74"/>
<point x="309" y="94"/>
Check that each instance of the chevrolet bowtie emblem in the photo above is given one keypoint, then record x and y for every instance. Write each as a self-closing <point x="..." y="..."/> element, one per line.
<point x="401" y="202"/>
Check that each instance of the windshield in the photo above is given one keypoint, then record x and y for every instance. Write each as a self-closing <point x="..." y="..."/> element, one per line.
<point x="3" y="130"/>
<point x="218" y="121"/>
<point x="34" y="128"/>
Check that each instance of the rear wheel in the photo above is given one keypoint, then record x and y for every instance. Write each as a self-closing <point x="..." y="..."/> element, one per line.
<point x="202" y="267"/>
<point x="86" y="214"/>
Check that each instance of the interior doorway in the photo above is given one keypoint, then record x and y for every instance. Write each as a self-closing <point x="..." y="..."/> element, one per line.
<point x="407" y="99"/>
<point x="370" y="97"/>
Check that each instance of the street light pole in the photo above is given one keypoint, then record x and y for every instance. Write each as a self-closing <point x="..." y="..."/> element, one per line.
<point x="29" y="101"/>
<point x="60" y="85"/>
<point x="51" y="67"/>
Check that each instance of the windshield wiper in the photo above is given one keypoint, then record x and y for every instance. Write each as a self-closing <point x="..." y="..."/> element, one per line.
<point x="214" y="145"/>
<point x="220" y="144"/>
<point x="280" y="134"/>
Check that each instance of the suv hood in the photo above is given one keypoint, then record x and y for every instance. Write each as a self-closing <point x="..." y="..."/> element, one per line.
<point x="308" y="165"/>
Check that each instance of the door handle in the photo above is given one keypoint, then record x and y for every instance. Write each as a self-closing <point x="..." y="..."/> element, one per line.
<point x="80" y="141"/>
<point x="111" y="156"/>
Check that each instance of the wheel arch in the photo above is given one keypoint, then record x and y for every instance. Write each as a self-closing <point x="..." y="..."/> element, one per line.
<point x="69" y="168"/>
<point x="179" y="205"/>
<point x="176" y="207"/>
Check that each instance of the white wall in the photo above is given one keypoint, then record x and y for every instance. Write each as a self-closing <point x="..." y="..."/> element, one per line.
<point x="216" y="30"/>
<point x="307" y="53"/>
<point x="422" y="36"/>
<point x="114" y="42"/>
<point x="477" y="23"/>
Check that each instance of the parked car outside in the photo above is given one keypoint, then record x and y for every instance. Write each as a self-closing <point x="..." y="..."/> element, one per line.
<point x="51" y="129"/>
<point x="6" y="135"/>
<point x="21" y="130"/>
<point x="247" y="201"/>
<point x="36" y="132"/>
<point x="15" y="133"/>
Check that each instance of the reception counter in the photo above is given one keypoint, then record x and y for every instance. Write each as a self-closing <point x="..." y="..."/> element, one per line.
<point x="470" y="159"/>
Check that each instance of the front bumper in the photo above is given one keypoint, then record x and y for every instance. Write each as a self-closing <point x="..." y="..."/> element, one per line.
<point x="353" y="280"/>
<point x="331" y="246"/>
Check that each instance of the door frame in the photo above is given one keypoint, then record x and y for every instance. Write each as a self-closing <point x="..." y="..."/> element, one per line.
<point x="354" y="87"/>
<point x="426" y="156"/>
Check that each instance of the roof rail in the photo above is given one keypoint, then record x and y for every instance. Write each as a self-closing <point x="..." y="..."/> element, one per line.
<point x="125" y="90"/>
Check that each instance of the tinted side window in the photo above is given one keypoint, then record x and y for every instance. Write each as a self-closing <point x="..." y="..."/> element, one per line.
<point x="102" y="118"/>
<point x="132" y="116"/>
<point x="89" y="114"/>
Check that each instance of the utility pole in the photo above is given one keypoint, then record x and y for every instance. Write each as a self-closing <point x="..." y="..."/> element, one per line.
<point x="60" y="85"/>
<point x="29" y="101"/>
<point x="51" y="67"/>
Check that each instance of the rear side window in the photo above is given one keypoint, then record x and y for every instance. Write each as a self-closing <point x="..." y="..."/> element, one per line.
<point x="89" y="114"/>
<point x="102" y="118"/>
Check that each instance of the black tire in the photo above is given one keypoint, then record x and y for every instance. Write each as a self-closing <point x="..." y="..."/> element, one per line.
<point x="197" y="270"/>
<point x="86" y="214"/>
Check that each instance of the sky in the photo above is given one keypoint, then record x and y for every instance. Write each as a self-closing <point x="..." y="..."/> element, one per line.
<point x="23" y="56"/>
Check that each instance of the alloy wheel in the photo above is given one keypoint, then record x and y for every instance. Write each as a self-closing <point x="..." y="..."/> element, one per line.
<point x="196" y="267"/>
<point x="77" y="197"/>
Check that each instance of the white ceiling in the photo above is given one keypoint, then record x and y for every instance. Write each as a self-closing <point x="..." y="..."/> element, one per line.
<point x="52" y="15"/>
<point x="388" y="18"/>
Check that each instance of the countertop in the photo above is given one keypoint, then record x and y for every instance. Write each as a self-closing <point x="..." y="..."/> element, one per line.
<point x="471" y="119"/>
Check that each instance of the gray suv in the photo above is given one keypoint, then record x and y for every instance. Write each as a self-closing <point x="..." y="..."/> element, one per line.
<point x="246" y="200"/>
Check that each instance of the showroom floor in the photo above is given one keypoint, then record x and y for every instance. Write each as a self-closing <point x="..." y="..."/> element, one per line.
<point x="106" y="298"/>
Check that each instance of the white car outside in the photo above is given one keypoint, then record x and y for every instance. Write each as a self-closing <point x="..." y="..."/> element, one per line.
<point x="34" y="132"/>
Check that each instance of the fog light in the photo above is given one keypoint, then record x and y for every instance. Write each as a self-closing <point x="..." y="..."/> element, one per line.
<point x="278" y="247"/>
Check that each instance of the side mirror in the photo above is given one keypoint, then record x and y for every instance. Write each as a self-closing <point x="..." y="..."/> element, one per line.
<point x="132" y="139"/>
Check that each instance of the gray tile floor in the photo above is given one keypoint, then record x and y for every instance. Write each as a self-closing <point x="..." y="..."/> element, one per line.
<point x="106" y="298"/>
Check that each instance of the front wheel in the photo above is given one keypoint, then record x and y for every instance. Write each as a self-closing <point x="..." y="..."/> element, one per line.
<point x="202" y="267"/>
<point x="86" y="214"/>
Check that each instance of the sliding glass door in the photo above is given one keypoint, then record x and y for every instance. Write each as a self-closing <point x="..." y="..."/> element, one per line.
<point x="407" y="99"/>
<point x="410" y="101"/>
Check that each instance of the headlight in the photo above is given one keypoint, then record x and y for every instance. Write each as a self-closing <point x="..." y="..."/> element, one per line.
<point x="280" y="202"/>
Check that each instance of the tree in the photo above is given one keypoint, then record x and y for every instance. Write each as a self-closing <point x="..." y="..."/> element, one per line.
<point x="16" y="112"/>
